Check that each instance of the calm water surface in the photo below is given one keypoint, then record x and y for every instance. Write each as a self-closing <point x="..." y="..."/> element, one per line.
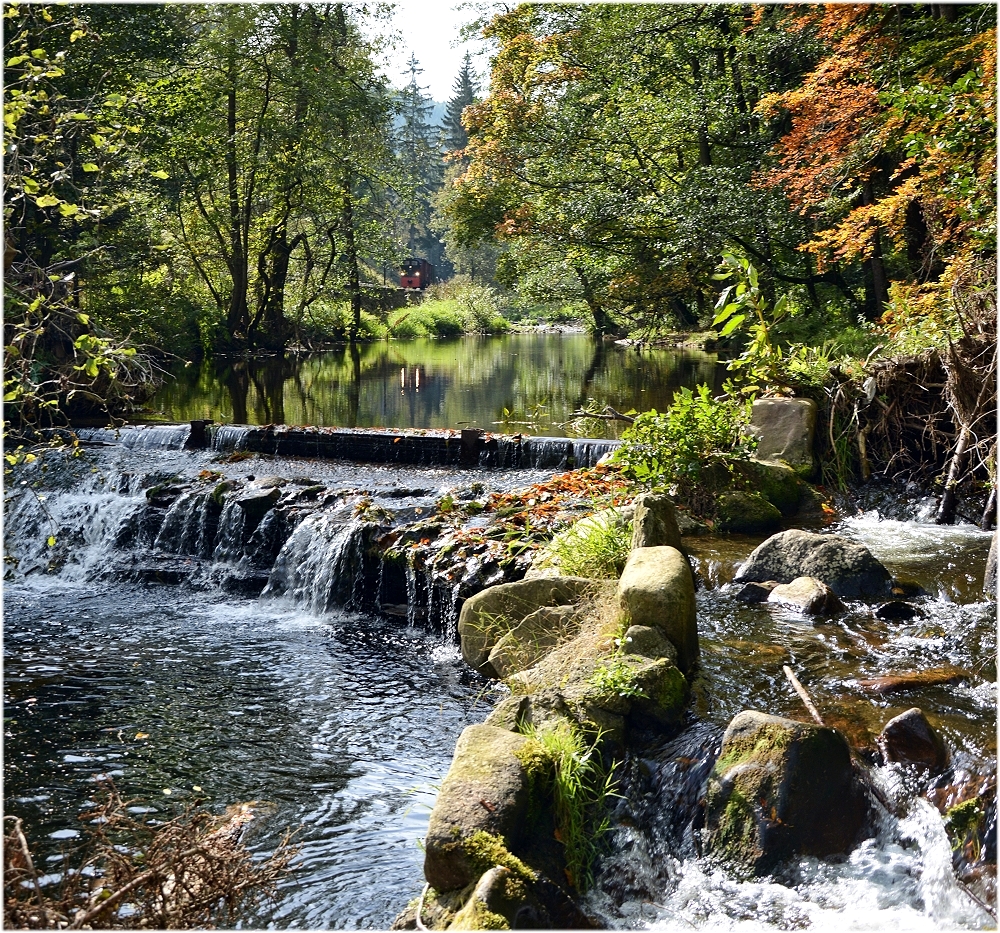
<point x="518" y="382"/>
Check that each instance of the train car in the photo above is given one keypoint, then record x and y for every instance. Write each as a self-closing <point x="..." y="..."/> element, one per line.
<point x="416" y="273"/>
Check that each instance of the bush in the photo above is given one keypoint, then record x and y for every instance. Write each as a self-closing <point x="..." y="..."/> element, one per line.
<point x="433" y="318"/>
<point x="690" y="448"/>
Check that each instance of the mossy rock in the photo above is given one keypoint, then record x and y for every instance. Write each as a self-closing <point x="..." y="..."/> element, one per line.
<point x="777" y="482"/>
<point x="485" y="793"/>
<point x="655" y="522"/>
<point x="780" y="789"/>
<point x="746" y="512"/>
<point x="846" y="566"/>
<point x="490" y="614"/>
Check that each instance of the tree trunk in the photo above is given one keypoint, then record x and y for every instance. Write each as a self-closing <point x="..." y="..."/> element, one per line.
<point x="238" y="313"/>
<point x="876" y="280"/>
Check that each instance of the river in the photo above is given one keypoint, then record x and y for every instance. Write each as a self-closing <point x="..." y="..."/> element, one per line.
<point x="343" y="725"/>
<point x="519" y="382"/>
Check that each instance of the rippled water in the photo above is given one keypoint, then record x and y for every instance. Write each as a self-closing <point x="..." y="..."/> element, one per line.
<point x="339" y="725"/>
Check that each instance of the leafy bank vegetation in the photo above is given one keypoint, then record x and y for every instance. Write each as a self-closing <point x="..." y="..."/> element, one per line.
<point x="814" y="186"/>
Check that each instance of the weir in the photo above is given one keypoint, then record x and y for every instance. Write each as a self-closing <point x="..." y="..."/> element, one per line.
<point x="469" y="447"/>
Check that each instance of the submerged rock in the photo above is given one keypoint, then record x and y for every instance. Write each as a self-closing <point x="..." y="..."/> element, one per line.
<point x="898" y="611"/>
<point x="779" y="789"/>
<point x="808" y="595"/>
<point x="913" y="680"/>
<point x="656" y="589"/>
<point x="909" y="739"/>
<point x="846" y="566"/>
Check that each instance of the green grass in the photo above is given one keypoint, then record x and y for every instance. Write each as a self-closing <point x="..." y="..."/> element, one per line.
<point x="580" y="786"/>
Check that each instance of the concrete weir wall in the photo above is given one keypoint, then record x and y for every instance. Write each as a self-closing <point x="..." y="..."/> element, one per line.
<point x="470" y="447"/>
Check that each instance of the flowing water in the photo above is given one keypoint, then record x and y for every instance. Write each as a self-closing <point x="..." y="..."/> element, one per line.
<point x="343" y="725"/>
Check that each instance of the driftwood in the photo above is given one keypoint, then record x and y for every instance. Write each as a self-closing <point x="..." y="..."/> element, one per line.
<point x="803" y="695"/>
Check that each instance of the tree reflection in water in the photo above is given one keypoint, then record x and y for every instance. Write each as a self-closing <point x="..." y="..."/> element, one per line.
<point x="468" y="381"/>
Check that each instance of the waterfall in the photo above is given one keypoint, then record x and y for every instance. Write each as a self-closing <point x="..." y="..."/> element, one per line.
<point x="321" y="564"/>
<point x="229" y="548"/>
<point x="188" y="527"/>
<point x="139" y="436"/>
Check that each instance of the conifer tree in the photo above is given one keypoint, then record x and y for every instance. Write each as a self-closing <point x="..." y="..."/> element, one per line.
<point x="464" y="92"/>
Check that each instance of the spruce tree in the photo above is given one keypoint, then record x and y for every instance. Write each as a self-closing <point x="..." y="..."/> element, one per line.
<point x="464" y="93"/>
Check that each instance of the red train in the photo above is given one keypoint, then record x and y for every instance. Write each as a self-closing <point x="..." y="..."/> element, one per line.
<point x="416" y="273"/>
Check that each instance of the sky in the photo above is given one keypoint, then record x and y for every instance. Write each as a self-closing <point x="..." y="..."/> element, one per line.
<point x="430" y="28"/>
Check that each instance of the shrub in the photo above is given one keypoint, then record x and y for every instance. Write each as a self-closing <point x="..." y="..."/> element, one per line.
<point x="191" y="871"/>
<point x="691" y="447"/>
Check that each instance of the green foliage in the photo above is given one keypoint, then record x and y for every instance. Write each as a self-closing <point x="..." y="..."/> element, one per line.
<point x="595" y="547"/>
<point x="571" y="770"/>
<point x="616" y="678"/>
<point x="691" y="447"/>
<point x="765" y="364"/>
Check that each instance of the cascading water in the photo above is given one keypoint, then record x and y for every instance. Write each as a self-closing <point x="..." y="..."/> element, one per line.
<point x="344" y="724"/>
<point x="321" y="564"/>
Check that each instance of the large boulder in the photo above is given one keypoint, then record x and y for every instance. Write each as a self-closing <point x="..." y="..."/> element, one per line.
<point x="540" y="631"/>
<point x="779" y="789"/>
<point x="785" y="429"/>
<point x="846" y="566"/>
<point x="656" y="589"/>
<point x="909" y="739"/>
<point x="495" y="611"/>
<point x="654" y="523"/>
<point x="484" y="793"/>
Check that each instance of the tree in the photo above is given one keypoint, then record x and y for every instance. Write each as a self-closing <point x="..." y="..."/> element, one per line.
<point x="421" y="164"/>
<point x="68" y="147"/>
<point x="464" y="93"/>
<point x="278" y="138"/>
<point x="891" y="151"/>
<point x="619" y="143"/>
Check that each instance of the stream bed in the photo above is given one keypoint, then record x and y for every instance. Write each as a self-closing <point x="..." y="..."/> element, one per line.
<point x="343" y="725"/>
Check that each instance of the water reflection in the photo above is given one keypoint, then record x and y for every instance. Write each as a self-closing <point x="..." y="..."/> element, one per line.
<point x="529" y="382"/>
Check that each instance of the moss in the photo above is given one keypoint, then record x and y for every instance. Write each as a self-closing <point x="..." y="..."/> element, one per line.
<point x="219" y="493"/>
<point x="475" y="916"/>
<point x="672" y="690"/>
<point x="737" y="834"/>
<point x="484" y="850"/>
<point x="961" y="820"/>
<point x="760" y="745"/>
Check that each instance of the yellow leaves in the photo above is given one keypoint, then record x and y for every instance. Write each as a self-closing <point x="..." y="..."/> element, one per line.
<point x="47" y="200"/>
